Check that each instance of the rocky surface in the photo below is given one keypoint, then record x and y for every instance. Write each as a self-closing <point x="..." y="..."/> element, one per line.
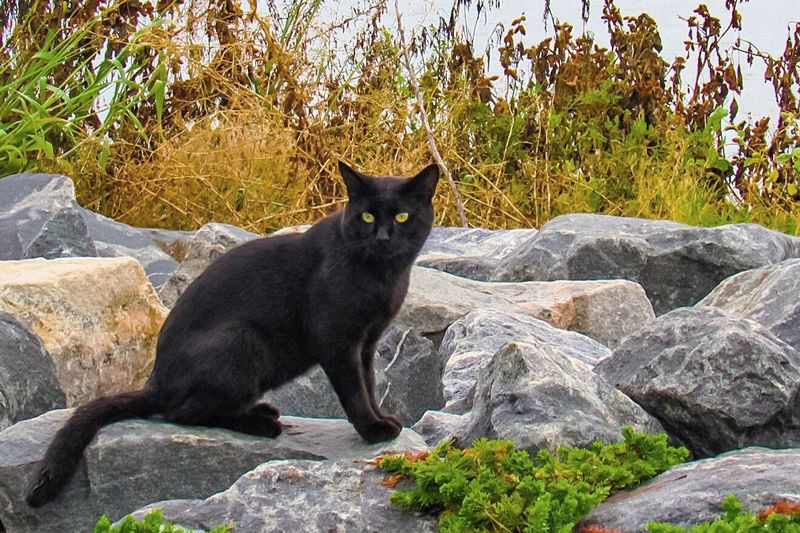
<point x="603" y="310"/>
<point x="299" y="495"/>
<point x="136" y="462"/>
<point x="546" y="338"/>
<point x="539" y="398"/>
<point x="407" y="382"/>
<point x="764" y="295"/>
<point x="208" y="243"/>
<point x="473" y="253"/>
<point x="114" y="239"/>
<point x="693" y="492"/>
<point x="676" y="264"/>
<point x="98" y="318"/>
<point x="64" y="235"/>
<point x="28" y="383"/>
<point x="40" y="217"/>
<point x="29" y="201"/>
<point x="471" y="342"/>
<point x="436" y="426"/>
<point x="715" y="381"/>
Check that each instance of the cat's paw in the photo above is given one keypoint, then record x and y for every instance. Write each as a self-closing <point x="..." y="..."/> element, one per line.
<point x="379" y="431"/>
<point x="258" y="425"/>
<point x="268" y="427"/>
<point x="392" y="420"/>
<point x="266" y="410"/>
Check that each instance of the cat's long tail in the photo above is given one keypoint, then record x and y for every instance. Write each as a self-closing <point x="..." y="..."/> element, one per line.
<point x="64" y="453"/>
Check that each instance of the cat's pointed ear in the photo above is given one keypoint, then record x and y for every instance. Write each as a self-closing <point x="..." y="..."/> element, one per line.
<point x="355" y="181"/>
<point x="425" y="181"/>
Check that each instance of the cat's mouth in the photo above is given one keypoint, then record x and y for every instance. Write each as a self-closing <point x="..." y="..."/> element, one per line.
<point x="384" y="249"/>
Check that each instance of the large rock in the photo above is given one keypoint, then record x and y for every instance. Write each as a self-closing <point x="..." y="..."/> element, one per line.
<point x="115" y="239"/>
<point x="208" y="243"/>
<point x="693" y="492"/>
<point x="28" y="384"/>
<point x="436" y="426"/>
<point x="769" y="295"/>
<point x="473" y="253"/>
<point x="298" y="495"/>
<point x="40" y="217"/>
<point x="471" y="342"/>
<point x="539" y="398"/>
<point x="676" y="264"/>
<point x="98" y="318"/>
<point x="136" y="462"/>
<point x="64" y="235"/>
<point x="715" y="381"/>
<point x="603" y="310"/>
<point x="407" y="382"/>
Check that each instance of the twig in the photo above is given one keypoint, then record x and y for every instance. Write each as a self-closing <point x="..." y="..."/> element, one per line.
<point x="412" y="77"/>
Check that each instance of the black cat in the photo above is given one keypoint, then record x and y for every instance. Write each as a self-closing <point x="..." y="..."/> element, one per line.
<point x="266" y="312"/>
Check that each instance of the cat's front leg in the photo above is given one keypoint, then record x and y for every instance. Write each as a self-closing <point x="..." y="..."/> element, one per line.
<point x="368" y="364"/>
<point x="346" y="374"/>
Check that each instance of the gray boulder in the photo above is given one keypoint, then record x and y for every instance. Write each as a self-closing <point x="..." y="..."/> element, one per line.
<point x="208" y="243"/>
<point x="115" y="239"/>
<point x="603" y="310"/>
<point x="136" y="462"/>
<point x="297" y="495"/>
<point x="40" y="217"/>
<point x="28" y="382"/>
<point x="693" y="492"/>
<point x="769" y="295"/>
<point x="676" y="264"/>
<point x="10" y="247"/>
<point x="539" y="398"/>
<point x="28" y="201"/>
<point x="473" y="253"/>
<point x="715" y="381"/>
<point x="436" y="426"/>
<point x="64" y="235"/>
<point x="471" y="342"/>
<point x="407" y="382"/>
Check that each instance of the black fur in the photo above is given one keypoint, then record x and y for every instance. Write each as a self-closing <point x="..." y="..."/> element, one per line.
<point x="266" y="312"/>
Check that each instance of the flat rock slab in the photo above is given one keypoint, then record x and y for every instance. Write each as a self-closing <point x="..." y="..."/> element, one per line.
<point x="606" y="311"/>
<point x="715" y="381"/>
<point x="307" y="496"/>
<point x="770" y="295"/>
<point x="133" y="463"/>
<point x="676" y="264"/>
<point x="28" y="383"/>
<point x="99" y="319"/>
<point x="693" y="492"/>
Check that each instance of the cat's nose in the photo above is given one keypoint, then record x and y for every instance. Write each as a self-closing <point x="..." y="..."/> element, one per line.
<point x="382" y="235"/>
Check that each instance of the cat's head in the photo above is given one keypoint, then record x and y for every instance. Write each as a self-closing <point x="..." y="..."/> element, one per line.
<point x="389" y="216"/>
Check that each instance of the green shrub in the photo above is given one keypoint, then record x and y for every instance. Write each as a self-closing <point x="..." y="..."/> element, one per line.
<point x="153" y="522"/>
<point x="494" y="487"/>
<point x="734" y="520"/>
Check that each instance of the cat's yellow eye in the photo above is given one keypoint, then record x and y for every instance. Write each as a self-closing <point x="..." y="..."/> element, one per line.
<point x="367" y="217"/>
<point x="401" y="217"/>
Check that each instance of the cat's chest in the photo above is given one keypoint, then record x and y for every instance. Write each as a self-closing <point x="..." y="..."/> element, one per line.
<point x="366" y="296"/>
